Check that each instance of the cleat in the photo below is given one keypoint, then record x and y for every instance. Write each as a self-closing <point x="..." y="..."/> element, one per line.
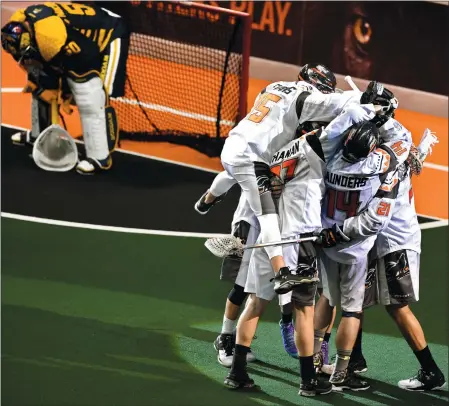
<point x="224" y="344"/>
<point x="357" y="366"/>
<point x="202" y="207"/>
<point x="285" y="280"/>
<point x="325" y="352"/>
<point x="22" y="138"/>
<point x="342" y="380"/>
<point x="318" y="361"/>
<point x="423" y="381"/>
<point x="288" y="338"/>
<point x="235" y="381"/>
<point x="90" y="166"/>
<point x="314" y="387"/>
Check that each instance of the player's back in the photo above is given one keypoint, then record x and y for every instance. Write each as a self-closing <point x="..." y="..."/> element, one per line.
<point x="269" y="126"/>
<point x="350" y="187"/>
<point x="403" y="231"/>
<point x="300" y="165"/>
<point x="95" y="23"/>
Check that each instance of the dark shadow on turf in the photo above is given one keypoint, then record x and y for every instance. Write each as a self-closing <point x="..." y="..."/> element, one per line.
<point x="136" y="193"/>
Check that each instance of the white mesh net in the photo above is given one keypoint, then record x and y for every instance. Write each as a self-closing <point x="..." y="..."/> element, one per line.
<point x="224" y="246"/>
<point x="55" y="150"/>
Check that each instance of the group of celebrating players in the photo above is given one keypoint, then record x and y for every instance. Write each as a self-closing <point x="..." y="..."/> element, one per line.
<point x="331" y="169"/>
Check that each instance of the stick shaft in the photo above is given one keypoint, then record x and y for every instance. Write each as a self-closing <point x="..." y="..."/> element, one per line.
<point x="284" y="242"/>
<point x="351" y="83"/>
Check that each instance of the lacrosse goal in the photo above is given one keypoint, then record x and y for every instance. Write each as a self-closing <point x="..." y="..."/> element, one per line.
<point x="187" y="72"/>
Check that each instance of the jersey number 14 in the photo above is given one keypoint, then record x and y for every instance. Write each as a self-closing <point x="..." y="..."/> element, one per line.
<point x="341" y="200"/>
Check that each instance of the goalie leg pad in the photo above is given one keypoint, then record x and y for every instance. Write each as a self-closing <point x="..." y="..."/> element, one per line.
<point x="91" y="100"/>
<point x="112" y="130"/>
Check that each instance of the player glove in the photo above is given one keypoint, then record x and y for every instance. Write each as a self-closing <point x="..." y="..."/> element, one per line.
<point x="376" y="93"/>
<point x="46" y="95"/>
<point x="276" y="187"/>
<point x="330" y="237"/>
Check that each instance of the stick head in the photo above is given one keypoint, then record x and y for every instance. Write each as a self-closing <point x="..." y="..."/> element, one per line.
<point x="223" y="246"/>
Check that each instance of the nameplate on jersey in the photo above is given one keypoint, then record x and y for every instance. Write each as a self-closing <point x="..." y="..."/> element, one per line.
<point x="350" y="182"/>
<point x="286" y="153"/>
<point x="284" y="89"/>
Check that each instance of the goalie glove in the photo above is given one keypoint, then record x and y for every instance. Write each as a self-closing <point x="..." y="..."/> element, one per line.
<point x="45" y="95"/>
<point x="377" y="94"/>
<point x="330" y="237"/>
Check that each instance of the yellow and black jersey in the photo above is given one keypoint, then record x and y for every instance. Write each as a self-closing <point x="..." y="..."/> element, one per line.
<point x="72" y="37"/>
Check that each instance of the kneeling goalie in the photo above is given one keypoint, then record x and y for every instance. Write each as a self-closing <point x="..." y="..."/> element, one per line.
<point x="72" y="50"/>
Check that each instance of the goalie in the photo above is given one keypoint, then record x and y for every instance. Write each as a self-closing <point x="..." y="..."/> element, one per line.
<point x="72" y="51"/>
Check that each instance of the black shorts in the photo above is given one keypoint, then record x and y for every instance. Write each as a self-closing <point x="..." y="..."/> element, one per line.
<point x="304" y="295"/>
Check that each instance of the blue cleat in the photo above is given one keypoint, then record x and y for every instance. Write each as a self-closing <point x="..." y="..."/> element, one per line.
<point x="288" y="339"/>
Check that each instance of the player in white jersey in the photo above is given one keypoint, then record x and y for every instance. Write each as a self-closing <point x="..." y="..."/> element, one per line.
<point x="234" y="269"/>
<point x="247" y="152"/>
<point x="361" y="186"/>
<point x="301" y="166"/>
<point x="394" y="282"/>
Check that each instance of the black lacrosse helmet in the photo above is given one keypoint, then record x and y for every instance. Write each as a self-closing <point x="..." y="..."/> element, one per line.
<point x="319" y="76"/>
<point x="362" y="138"/>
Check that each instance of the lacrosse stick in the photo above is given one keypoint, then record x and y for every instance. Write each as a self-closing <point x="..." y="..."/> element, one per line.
<point x="54" y="149"/>
<point x="351" y="83"/>
<point x="417" y="155"/>
<point x="230" y="245"/>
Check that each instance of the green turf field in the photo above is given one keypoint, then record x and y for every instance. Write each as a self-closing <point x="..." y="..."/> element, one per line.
<point x="94" y="318"/>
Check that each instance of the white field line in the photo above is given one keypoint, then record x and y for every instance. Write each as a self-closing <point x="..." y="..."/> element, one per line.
<point x="150" y="106"/>
<point x="61" y="223"/>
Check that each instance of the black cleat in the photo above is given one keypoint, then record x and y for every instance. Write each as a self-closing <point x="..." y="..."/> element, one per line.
<point x="342" y="380"/>
<point x="315" y="387"/>
<point x="202" y="207"/>
<point x="285" y="280"/>
<point x="424" y="381"/>
<point x="224" y="345"/>
<point x="235" y="381"/>
<point x="358" y="365"/>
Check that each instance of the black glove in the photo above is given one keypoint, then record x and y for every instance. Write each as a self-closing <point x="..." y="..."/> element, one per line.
<point x="330" y="237"/>
<point x="379" y="95"/>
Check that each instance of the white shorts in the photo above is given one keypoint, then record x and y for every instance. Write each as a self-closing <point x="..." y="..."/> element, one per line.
<point x="260" y="272"/>
<point x="398" y="277"/>
<point x="243" y="270"/>
<point x="344" y="284"/>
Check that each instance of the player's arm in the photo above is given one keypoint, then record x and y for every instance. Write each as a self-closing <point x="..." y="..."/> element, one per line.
<point x="376" y="216"/>
<point x="318" y="106"/>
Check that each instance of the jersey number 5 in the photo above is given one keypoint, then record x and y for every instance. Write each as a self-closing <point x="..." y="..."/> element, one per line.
<point x="260" y="110"/>
<point x="345" y="201"/>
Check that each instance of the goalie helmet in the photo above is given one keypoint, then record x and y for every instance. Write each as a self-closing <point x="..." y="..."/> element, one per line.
<point x="361" y="140"/>
<point x="319" y="76"/>
<point x="17" y="41"/>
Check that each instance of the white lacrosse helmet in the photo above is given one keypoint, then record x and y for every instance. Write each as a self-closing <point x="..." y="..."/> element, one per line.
<point x="55" y="150"/>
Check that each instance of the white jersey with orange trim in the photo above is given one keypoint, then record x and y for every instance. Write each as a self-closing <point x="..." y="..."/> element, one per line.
<point x="403" y="231"/>
<point x="271" y="124"/>
<point x="359" y="198"/>
<point x="301" y="167"/>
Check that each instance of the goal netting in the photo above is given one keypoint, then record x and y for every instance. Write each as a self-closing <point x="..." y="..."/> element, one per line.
<point x="187" y="72"/>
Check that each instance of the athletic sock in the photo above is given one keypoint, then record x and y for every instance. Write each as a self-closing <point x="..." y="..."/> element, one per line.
<point x="306" y="368"/>
<point x="239" y="360"/>
<point x="327" y="337"/>
<point x="426" y="360"/>
<point x="318" y="340"/>
<point x="287" y="318"/>
<point x="342" y="360"/>
<point x="357" y="350"/>
<point x="228" y="326"/>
